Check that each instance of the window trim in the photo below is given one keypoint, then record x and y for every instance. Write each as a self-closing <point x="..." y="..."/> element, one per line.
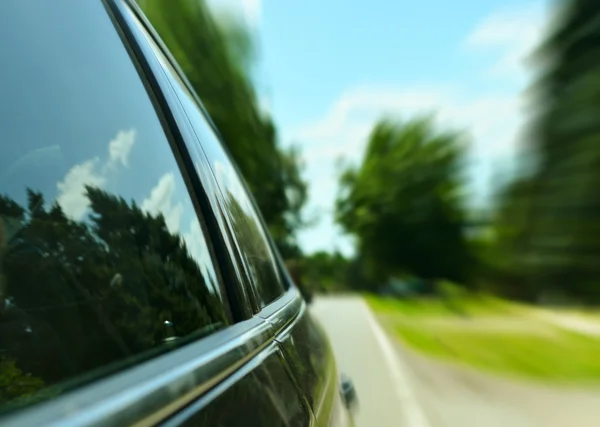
<point x="173" y="133"/>
<point x="281" y="313"/>
<point x="284" y="311"/>
<point x="186" y="414"/>
<point x="247" y="288"/>
<point x="156" y="389"/>
<point x="131" y="18"/>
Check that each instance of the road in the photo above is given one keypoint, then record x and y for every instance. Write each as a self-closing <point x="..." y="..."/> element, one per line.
<point x="397" y="388"/>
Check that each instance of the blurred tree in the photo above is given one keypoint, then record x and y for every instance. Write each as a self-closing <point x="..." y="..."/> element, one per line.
<point x="403" y="203"/>
<point x="325" y="272"/>
<point x="500" y="267"/>
<point x="561" y="245"/>
<point x="217" y="59"/>
<point x="295" y="269"/>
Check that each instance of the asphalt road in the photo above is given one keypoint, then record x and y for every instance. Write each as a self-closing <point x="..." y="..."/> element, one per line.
<point x="399" y="388"/>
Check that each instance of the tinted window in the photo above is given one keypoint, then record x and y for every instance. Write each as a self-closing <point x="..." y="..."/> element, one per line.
<point x="102" y="256"/>
<point x="251" y="238"/>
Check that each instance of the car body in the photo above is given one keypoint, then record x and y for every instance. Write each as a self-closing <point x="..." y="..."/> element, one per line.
<point x="138" y="283"/>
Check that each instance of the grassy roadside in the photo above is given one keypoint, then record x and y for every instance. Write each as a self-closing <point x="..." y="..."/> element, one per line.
<point x="467" y="306"/>
<point x="492" y="335"/>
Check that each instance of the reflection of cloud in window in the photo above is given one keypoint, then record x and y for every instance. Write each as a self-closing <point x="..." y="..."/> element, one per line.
<point x="160" y="200"/>
<point x="71" y="190"/>
<point x="40" y="157"/>
<point x="222" y="175"/>
<point x="72" y="197"/>
<point x="120" y="147"/>
<point x="226" y="175"/>
<point x="196" y="246"/>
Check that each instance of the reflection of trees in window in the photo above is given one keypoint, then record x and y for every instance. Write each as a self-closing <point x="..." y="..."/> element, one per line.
<point x="76" y="296"/>
<point x="258" y="259"/>
<point x="15" y="384"/>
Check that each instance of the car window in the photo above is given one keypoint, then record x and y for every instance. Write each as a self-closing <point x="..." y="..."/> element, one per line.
<point x="251" y="236"/>
<point x="103" y="260"/>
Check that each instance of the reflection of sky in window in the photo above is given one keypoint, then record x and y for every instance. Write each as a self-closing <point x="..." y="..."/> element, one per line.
<point x="74" y="112"/>
<point x="226" y="176"/>
<point x="252" y="240"/>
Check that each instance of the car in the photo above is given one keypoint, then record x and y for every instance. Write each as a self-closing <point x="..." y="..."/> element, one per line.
<point x="138" y="282"/>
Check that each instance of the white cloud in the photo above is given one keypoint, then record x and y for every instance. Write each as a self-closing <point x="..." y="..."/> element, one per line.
<point x="512" y="34"/>
<point x="252" y="10"/>
<point x="120" y="147"/>
<point x="71" y="191"/>
<point x="160" y="200"/>
<point x="247" y="10"/>
<point x="343" y="130"/>
<point x="196" y="243"/>
<point x="493" y="119"/>
<point x="358" y="107"/>
<point x="265" y="105"/>
<point x="232" y="184"/>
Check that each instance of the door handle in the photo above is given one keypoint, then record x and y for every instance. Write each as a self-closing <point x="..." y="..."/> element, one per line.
<point x="348" y="392"/>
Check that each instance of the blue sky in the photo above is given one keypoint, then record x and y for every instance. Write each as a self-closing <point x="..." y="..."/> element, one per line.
<point x="329" y="68"/>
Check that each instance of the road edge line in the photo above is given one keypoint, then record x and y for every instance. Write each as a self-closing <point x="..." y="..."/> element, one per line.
<point x="414" y="414"/>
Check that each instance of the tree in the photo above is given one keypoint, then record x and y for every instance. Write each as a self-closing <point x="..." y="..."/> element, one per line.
<point x="560" y="247"/>
<point x="500" y="256"/>
<point x="403" y="203"/>
<point x="324" y="271"/>
<point x="217" y="59"/>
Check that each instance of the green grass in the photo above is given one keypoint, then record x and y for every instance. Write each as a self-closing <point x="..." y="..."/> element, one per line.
<point x="468" y="306"/>
<point x="567" y="357"/>
<point x="537" y="350"/>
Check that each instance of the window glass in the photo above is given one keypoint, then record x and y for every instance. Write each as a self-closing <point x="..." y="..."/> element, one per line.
<point x="251" y="238"/>
<point x="102" y="258"/>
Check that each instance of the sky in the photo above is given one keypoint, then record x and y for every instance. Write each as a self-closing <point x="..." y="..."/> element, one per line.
<point x="328" y="69"/>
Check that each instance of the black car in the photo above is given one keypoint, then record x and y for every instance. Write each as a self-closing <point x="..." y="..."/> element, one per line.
<point x="138" y="283"/>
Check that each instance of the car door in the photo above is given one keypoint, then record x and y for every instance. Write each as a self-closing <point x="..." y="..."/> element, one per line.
<point x="260" y="271"/>
<point x="119" y="301"/>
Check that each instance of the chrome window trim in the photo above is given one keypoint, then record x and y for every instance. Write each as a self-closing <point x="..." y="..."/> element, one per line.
<point x="135" y="17"/>
<point x="195" y="407"/>
<point x="153" y="390"/>
<point x="283" y="311"/>
<point x="139" y="29"/>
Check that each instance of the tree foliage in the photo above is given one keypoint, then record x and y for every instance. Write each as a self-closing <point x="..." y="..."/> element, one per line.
<point x="556" y="210"/>
<point x="500" y="267"/>
<point x="403" y="203"/>
<point x="325" y="272"/>
<point x="217" y="59"/>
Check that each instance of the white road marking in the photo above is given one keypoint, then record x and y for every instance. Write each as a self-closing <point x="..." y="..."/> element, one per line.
<point x="411" y="408"/>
